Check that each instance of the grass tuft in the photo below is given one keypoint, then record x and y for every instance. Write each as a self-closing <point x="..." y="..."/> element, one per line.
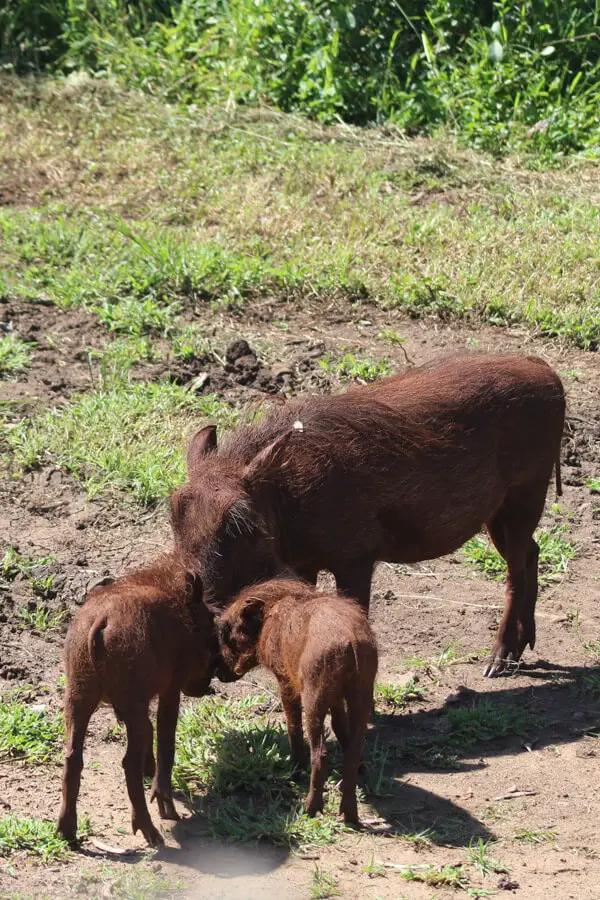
<point x="361" y="370"/>
<point x="535" y="835"/>
<point x="556" y="551"/>
<point x="15" y="355"/>
<point x="398" y="696"/>
<point x="124" y="438"/>
<point x="323" y="885"/>
<point x="42" y="618"/>
<point x="231" y="750"/>
<point x="35" y="837"/>
<point x="30" y="733"/>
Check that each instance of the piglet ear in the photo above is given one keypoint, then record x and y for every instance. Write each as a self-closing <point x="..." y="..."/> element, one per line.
<point x="267" y="459"/>
<point x="203" y="442"/>
<point x="194" y="587"/>
<point x="252" y="617"/>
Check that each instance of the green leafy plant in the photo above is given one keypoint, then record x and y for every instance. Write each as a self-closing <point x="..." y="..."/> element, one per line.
<point x="323" y="885"/>
<point x="36" y="837"/>
<point x="127" y="438"/>
<point x="29" y="732"/>
<point x="556" y="550"/>
<point x="14" y="563"/>
<point x="42" y="618"/>
<point x="350" y="367"/>
<point x="399" y="696"/>
<point x="15" y="354"/>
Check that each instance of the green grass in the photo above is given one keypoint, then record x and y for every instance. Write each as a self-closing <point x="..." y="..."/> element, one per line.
<point x="361" y="370"/>
<point x="486" y="721"/>
<point x="478" y="855"/>
<point x="33" y="734"/>
<point x="232" y="751"/>
<point x="14" y="355"/>
<point x="535" y="835"/>
<point x="36" y="837"/>
<point x="323" y="885"/>
<point x="398" y="696"/>
<point x="556" y="551"/>
<point x="129" y="438"/>
<point x="593" y="647"/>
<point x="14" y="563"/>
<point x="436" y="876"/>
<point x="593" y="484"/>
<point x="262" y="204"/>
<point x="481" y="723"/>
<point x="41" y="618"/>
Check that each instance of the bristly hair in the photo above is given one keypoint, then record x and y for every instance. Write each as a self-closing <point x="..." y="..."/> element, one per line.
<point x="167" y="574"/>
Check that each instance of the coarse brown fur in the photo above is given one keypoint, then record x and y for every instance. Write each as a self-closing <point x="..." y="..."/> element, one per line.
<point x="322" y="651"/>
<point x="403" y="470"/>
<point x="147" y="634"/>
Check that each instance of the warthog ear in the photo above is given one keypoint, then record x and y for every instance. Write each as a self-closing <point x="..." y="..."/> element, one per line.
<point x="103" y="581"/>
<point x="194" y="587"/>
<point x="203" y="442"/>
<point x="267" y="459"/>
<point x="252" y="617"/>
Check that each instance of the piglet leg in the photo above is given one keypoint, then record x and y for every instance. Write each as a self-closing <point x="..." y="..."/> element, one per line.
<point x="359" y="711"/>
<point x="316" y="710"/>
<point x="292" y="707"/>
<point x="166" y="725"/>
<point x="77" y="717"/>
<point x="136" y="722"/>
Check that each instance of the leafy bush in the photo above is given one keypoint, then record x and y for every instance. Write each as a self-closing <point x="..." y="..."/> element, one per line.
<point x="502" y="74"/>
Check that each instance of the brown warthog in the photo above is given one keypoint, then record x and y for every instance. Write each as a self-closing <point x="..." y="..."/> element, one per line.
<point x="147" y="634"/>
<point x="323" y="653"/>
<point x="403" y="470"/>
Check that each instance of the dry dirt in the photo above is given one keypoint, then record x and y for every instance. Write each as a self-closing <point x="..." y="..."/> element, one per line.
<point x="416" y="612"/>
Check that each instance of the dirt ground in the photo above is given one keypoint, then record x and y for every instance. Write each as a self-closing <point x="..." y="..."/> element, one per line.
<point x="544" y="781"/>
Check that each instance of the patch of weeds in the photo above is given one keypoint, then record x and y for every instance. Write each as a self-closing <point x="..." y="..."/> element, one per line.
<point x="482" y="722"/>
<point x="486" y="721"/>
<point x="398" y="696"/>
<point x="131" y="315"/>
<point x="591" y="683"/>
<point x="29" y="732"/>
<point x="126" y="438"/>
<point x="448" y="656"/>
<point x="478" y="855"/>
<point x="14" y="564"/>
<point x="391" y="337"/>
<point x="15" y="354"/>
<point x="361" y="370"/>
<point x="243" y="762"/>
<point x="189" y="342"/>
<point x="323" y="885"/>
<point x="41" y="617"/>
<point x="116" y="360"/>
<point x="374" y="869"/>
<point x="436" y="876"/>
<point x="36" y="837"/>
<point x="375" y="780"/>
<point x="556" y="551"/>
<point x="420" y="840"/>
<point x="593" y="485"/>
<point x="593" y="647"/>
<point x="535" y="835"/>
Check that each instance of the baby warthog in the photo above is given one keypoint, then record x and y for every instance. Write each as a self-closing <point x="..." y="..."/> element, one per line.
<point x="322" y="651"/>
<point x="403" y="470"/>
<point x="147" y="634"/>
